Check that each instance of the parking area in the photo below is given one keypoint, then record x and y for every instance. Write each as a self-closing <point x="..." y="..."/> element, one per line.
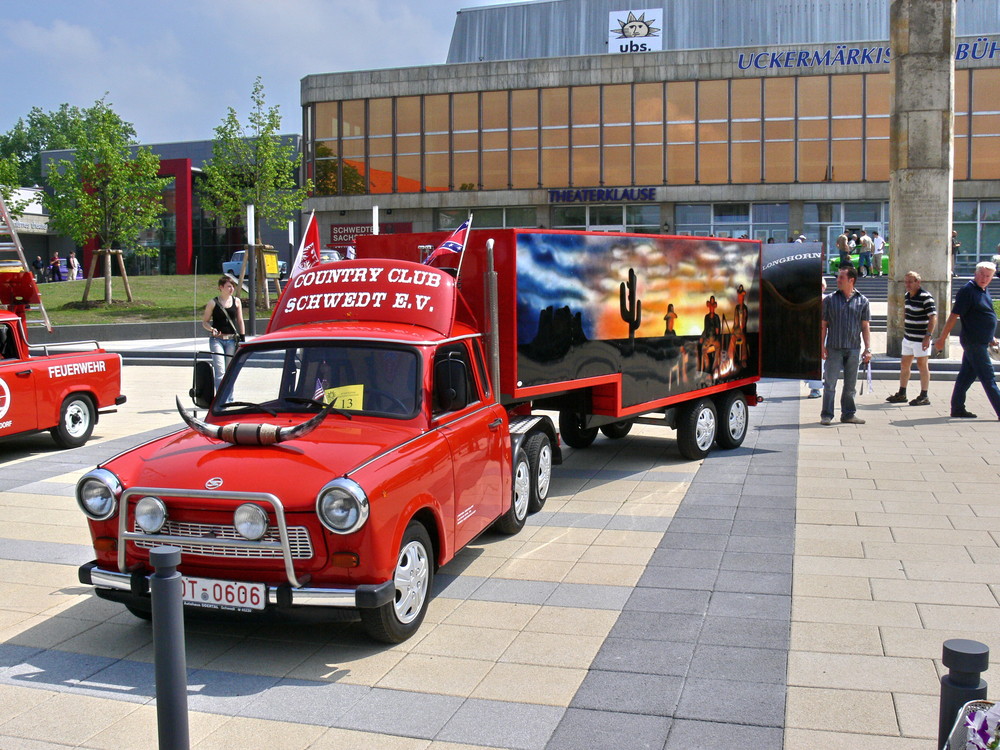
<point x="793" y="593"/>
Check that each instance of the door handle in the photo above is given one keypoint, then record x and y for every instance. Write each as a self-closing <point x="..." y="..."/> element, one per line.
<point x="23" y="373"/>
<point x="495" y="424"/>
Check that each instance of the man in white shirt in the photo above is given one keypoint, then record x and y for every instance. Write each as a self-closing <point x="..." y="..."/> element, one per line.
<point x="878" y="248"/>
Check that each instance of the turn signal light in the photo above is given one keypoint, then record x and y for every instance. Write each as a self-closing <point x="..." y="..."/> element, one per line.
<point x="345" y="560"/>
<point x="106" y="544"/>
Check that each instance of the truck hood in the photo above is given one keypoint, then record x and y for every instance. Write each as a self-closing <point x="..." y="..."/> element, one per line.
<point x="294" y="470"/>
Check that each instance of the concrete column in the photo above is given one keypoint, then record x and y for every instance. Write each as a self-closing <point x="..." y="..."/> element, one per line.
<point x="921" y="137"/>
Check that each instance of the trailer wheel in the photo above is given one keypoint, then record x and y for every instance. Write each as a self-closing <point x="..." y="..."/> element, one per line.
<point x="539" y="450"/>
<point x="572" y="431"/>
<point x="617" y="430"/>
<point x="76" y="421"/>
<point x="696" y="428"/>
<point x="512" y="521"/>
<point x="399" y="619"/>
<point x="733" y="419"/>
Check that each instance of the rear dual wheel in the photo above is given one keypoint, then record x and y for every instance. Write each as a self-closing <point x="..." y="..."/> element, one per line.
<point x="539" y="450"/>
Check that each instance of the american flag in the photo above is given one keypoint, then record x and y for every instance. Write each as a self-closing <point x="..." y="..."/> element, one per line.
<point x="454" y="244"/>
<point x="320" y="394"/>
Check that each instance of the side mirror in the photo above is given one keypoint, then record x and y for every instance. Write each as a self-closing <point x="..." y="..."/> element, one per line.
<point x="451" y="384"/>
<point x="203" y="390"/>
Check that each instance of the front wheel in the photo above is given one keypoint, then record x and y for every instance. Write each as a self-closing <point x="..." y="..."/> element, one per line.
<point x="76" y="421"/>
<point x="572" y="431"/>
<point x="399" y="619"/>
<point x="512" y="521"/>
<point x="539" y="450"/>
<point x="696" y="429"/>
<point x="733" y="419"/>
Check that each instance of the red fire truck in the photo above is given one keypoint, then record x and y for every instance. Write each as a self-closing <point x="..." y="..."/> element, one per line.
<point x="394" y="411"/>
<point x="60" y="392"/>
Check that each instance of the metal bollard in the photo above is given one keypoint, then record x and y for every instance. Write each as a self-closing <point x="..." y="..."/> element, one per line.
<point x="168" y="648"/>
<point x="965" y="660"/>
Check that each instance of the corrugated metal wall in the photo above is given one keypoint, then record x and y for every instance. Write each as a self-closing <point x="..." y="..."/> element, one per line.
<point x="559" y="28"/>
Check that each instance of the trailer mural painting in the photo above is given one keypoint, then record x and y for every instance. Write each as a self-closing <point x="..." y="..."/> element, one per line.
<point x="669" y="314"/>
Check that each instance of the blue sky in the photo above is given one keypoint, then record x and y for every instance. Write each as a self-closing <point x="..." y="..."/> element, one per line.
<point x="173" y="68"/>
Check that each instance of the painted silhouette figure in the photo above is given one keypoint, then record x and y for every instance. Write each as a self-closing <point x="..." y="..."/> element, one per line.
<point x="739" y="353"/>
<point x="710" y="338"/>
<point x="669" y="319"/>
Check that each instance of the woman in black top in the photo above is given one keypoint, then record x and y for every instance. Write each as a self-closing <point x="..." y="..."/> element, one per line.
<point x="223" y="319"/>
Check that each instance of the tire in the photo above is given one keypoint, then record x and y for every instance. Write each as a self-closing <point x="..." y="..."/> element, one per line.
<point x="142" y="614"/>
<point x="617" y="430"/>
<point x="572" y="432"/>
<point x="696" y="429"/>
<point x="539" y="450"/>
<point x="733" y="420"/>
<point x="512" y="521"/>
<point x="399" y="619"/>
<point x="76" y="421"/>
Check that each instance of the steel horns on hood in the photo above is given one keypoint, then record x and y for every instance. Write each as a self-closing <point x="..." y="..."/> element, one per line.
<point x="239" y="433"/>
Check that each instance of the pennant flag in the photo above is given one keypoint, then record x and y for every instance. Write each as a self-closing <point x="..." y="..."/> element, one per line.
<point x="350" y="253"/>
<point x="454" y="245"/>
<point x="308" y="255"/>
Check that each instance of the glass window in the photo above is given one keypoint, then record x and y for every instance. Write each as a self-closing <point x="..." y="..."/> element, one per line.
<point x="862" y="213"/>
<point x="555" y="137"/>
<point x="569" y="217"/>
<point x="326" y="120"/>
<point x="965" y="211"/>
<point x="643" y="216"/>
<point x="770" y="213"/>
<point x="693" y="213"/>
<point x="521" y="217"/>
<point x="680" y="164"/>
<point x="606" y="215"/>
<point x="732" y="213"/>
<point x="380" y="117"/>
<point x="524" y="138"/>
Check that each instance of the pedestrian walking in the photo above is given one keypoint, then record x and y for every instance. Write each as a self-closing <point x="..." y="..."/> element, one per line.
<point x="846" y="323"/>
<point x="974" y="307"/>
<point x="223" y="319"/>
<point x="73" y="267"/>
<point x="878" y="250"/>
<point x="919" y="322"/>
<point x="55" y="269"/>
<point x="39" y="265"/>
<point x="865" y="248"/>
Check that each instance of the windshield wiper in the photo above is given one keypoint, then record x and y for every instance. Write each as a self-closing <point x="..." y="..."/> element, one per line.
<point x="249" y="405"/>
<point x="320" y="404"/>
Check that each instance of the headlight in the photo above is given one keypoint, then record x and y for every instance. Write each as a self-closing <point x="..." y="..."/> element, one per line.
<point x="342" y="506"/>
<point x="150" y="514"/>
<point x="251" y="521"/>
<point x="97" y="494"/>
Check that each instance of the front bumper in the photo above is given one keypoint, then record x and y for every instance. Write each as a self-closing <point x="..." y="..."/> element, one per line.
<point x="126" y="587"/>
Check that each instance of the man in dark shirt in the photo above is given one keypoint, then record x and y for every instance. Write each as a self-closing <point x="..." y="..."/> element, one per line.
<point x="974" y="307"/>
<point x="846" y="322"/>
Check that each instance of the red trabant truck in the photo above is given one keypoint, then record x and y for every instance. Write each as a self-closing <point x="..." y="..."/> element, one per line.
<point x="63" y="392"/>
<point x="390" y="415"/>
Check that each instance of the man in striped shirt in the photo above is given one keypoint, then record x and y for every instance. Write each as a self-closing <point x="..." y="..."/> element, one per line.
<point x="846" y="322"/>
<point x="919" y="322"/>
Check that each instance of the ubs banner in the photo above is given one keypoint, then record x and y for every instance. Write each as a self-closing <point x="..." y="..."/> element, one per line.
<point x="635" y="31"/>
<point x="791" y="302"/>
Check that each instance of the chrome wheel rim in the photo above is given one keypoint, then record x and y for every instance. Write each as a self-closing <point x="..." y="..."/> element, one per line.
<point x="544" y="475"/>
<point x="704" y="432"/>
<point x="522" y="489"/>
<point x="77" y="419"/>
<point x="737" y="419"/>
<point x="411" y="578"/>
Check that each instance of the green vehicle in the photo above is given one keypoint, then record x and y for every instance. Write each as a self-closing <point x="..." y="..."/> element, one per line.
<point x="834" y="263"/>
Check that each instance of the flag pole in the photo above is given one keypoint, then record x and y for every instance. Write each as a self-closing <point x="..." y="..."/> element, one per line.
<point x="465" y="241"/>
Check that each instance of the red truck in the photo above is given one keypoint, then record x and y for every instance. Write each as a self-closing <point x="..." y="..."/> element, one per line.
<point x="60" y="392"/>
<point x="393" y="412"/>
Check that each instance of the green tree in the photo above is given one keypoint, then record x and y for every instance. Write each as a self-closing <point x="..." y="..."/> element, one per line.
<point x="47" y="131"/>
<point x="252" y="164"/>
<point x="9" y="182"/>
<point x="108" y="191"/>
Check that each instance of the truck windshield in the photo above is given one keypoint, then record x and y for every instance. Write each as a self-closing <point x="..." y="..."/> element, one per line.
<point x="358" y="378"/>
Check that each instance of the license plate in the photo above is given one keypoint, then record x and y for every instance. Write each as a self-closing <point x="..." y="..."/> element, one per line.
<point x="213" y="594"/>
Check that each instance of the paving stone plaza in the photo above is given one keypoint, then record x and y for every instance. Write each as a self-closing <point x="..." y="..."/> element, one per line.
<point x="793" y="593"/>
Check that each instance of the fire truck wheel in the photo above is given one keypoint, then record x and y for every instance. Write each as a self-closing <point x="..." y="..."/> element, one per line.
<point x="399" y="619"/>
<point x="76" y="421"/>
<point x="617" y="430"/>
<point x="733" y="420"/>
<point x="696" y="428"/>
<point x="539" y="450"/>
<point x="573" y="433"/>
<point x="512" y="521"/>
